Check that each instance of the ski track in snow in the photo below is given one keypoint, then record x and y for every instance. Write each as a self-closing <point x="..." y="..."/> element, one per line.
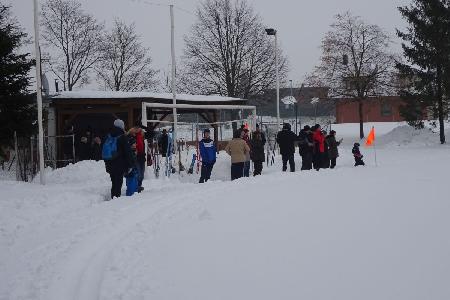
<point x="98" y="250"/>
<point x="73" y="267"/>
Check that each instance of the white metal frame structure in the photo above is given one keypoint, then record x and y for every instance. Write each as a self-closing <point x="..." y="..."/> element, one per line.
<point x="146" y="105"/>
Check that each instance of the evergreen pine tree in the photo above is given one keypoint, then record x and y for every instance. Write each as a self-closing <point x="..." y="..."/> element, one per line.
<point x="17" y="109"/>
<point x="426" y="48"/>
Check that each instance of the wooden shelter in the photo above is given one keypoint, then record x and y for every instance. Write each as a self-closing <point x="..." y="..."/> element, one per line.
<point x="88" y="108"/>
<point x="96" y="110"/>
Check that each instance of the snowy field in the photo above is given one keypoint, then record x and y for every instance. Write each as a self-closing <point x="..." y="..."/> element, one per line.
<point x="369" y="233"/>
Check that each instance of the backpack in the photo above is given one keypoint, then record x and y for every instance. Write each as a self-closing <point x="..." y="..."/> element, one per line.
<point x="109" y="150"/>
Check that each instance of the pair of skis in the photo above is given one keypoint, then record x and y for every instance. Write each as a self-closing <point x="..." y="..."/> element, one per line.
<point x="195" y="157"/>
<point x="169" y="156"/>
<point x="154" y="156"/>
<point x="270" y="150"/>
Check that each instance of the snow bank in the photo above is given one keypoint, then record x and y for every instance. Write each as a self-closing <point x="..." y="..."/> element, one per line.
<point x="350" y="233"/>
<point x="83" y="172"/>
<point x="408" y="136"/>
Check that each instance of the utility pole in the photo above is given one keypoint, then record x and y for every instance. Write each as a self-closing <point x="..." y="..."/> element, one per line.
<point x="278" y="81"/>
<point x="174" y="83"/>
<point x="39" y="94"/>
<point x="271" y="31"/>
<point x="295" y="108"/>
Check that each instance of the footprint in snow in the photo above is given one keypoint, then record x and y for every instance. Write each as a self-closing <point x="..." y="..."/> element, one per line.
<point x="205" y="216"/>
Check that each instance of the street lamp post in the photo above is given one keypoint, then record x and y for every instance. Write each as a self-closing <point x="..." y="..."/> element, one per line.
<point x="315" y="102"/>
<point x="173" y="83"/>
<point x="39" y="93"/>
<point x="295" y="108"/>
<point x="271" y="31"/>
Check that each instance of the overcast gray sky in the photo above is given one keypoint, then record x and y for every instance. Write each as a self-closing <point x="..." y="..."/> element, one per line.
<point x="301" y="24"/>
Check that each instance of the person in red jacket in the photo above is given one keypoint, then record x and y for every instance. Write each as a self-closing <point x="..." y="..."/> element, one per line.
<point x="319" y="147"/>
<point x="138" y="133"/>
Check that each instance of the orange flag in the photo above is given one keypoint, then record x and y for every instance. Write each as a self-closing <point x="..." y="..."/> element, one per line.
<point x="371" y="138"/>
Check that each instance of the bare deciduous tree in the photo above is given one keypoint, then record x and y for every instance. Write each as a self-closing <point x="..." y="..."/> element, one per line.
<point x="72" y="35"/>
<point x="356" y="62"/>
<point x="228" y="52"/>
<point x="124" y="63"/>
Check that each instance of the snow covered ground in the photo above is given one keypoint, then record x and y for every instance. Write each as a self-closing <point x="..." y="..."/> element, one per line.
<point x="349" y="233"/>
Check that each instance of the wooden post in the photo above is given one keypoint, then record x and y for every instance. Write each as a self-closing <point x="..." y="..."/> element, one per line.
<point x="130" y="118"/>
<point x="16" y="149"/>
<point x="216" y="132"/>
<point x="31" y="158"/>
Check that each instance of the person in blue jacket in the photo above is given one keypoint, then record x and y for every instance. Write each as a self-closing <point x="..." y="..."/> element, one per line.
<point x="208" y="154"/>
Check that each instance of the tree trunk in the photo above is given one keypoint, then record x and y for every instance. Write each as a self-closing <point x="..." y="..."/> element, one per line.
<point x="441" y="122"/>
<point x="440" y="106"/>
<point x="361" y="119"/>
<point x="441" y="119"/>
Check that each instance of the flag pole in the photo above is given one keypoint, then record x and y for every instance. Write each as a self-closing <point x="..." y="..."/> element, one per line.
<point x="375" y="149"/>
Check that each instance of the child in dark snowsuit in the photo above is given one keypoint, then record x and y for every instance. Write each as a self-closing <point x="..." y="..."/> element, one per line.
<point x="357" y="155"/>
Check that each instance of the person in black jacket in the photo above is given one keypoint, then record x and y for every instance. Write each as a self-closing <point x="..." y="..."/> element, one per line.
<point x="306" y="147"/>
<point x="122" y="164"/>
<point x="326" y="153"/>
<point x="286" y="140"/>
<point x="85" y="146"/>
<point x="333" y="145"/>
<point x="163" y="143"/>
<point x="97" y="149"/>
<point x="257" y="150"/>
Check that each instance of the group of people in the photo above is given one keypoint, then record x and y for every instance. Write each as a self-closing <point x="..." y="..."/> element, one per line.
<point x="85" y="146"/>
<point x="317" y="149"/>
<point x="125" y="157"/>
<point x="244" y="149"/>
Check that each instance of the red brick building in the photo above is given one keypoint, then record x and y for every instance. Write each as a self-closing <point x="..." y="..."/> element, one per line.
<point x="377" y="109"/>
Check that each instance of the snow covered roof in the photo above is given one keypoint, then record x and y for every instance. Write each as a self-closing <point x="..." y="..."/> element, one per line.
<point x="144" y="95"/>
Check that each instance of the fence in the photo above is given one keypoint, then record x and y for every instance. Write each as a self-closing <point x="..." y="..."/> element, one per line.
<point x="21" y="162"/>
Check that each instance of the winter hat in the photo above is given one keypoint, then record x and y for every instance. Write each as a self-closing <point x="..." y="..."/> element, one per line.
<point x="287" y="126"/>
<point x="119" y="124"/>
<point x="307" y="127"/>
<point x="332" y="132"/>
<point x="356" y="145"/>
<point x="206" y="130"/>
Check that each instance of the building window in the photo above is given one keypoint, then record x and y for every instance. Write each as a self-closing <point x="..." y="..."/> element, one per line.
<point x="386" y="109"/>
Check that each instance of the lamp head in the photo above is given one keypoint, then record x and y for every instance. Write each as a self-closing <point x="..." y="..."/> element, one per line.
<point x="271" y="31"/>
